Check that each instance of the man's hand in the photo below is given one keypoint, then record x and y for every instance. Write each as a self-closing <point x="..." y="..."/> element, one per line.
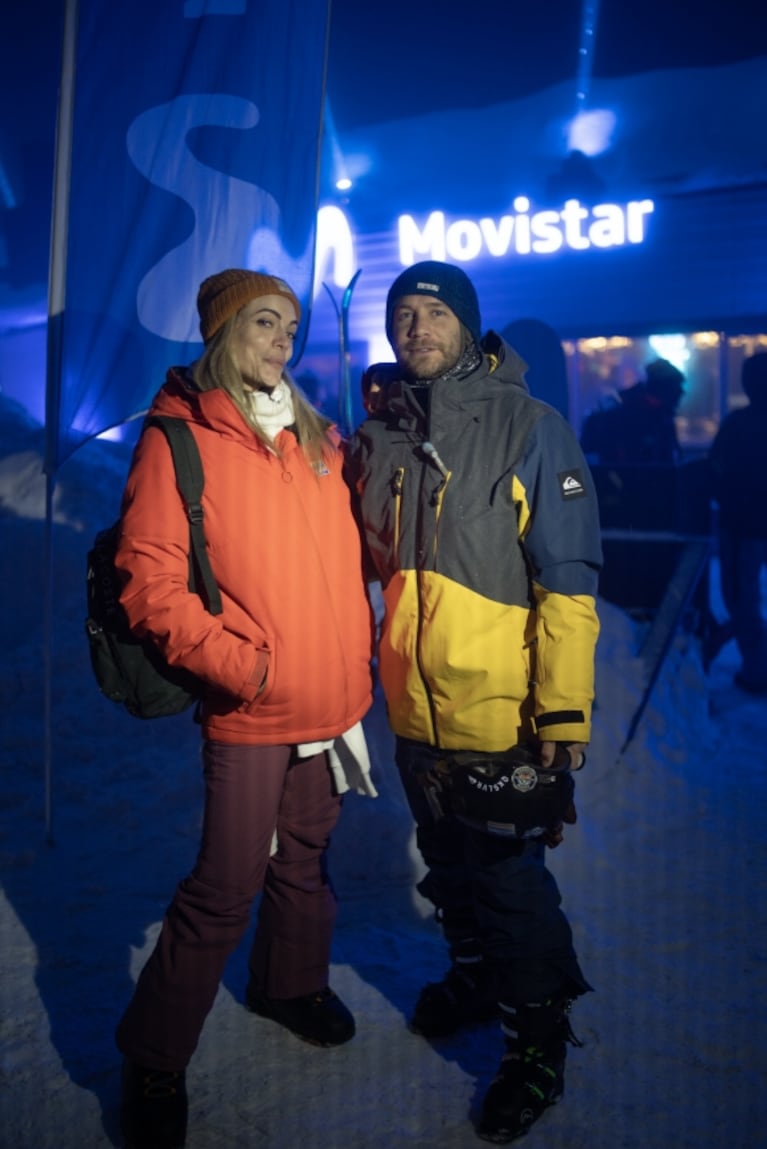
<point x="553" y="754"/>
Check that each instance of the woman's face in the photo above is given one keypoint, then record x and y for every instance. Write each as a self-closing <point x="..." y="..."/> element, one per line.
<point x="262" y="341"/>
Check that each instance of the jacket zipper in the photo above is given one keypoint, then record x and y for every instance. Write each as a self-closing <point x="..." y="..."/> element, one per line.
<point x="398" y="483"/>
<point x="436" y="501"/>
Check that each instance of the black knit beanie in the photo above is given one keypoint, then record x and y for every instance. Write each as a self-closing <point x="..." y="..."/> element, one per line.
<point x="446" y="282"/>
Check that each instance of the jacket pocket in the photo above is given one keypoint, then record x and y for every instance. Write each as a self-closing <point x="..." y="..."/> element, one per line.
<point x="264" y="674"/>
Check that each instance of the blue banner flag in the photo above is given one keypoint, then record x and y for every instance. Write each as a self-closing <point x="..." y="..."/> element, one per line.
<point x="195" y="146"/>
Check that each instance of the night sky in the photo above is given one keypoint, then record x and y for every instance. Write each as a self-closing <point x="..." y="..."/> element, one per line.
<point x="387" y="60"/>
<point x="398" y="58"/>
<point x="392" y="58"/>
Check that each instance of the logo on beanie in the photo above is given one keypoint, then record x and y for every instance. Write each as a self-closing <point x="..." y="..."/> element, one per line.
<point x="450" y="284"/>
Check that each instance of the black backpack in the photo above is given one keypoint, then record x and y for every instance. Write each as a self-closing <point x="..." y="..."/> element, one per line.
<point x="130" y="670"/>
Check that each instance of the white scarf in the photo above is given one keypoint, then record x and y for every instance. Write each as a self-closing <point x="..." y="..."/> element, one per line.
<point x="272" y="410"/>
<point x="348" y="759"/>
<point x="348" y="762"/>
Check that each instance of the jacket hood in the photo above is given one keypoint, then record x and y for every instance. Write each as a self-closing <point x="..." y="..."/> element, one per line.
<point x="180" y="397"/>
<point x="509" y="364"/>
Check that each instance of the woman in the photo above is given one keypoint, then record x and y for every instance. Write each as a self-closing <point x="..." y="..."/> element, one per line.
<point x="287" y="666"/>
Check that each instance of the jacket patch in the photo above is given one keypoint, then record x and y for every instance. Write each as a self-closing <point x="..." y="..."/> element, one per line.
<point x="571" y="484"/>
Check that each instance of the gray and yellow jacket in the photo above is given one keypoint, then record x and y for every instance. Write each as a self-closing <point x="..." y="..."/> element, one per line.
<point x="482" y="525"/>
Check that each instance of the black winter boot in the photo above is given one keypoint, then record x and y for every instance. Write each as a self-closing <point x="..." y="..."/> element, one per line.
<point x="153" y="1113"/>
<point x="467" y="994"/>
<point x="320" y="1018"/>
<point x="531" y="1076"/>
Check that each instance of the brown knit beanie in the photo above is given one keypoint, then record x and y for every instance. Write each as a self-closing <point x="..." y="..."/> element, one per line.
<point x="221" y="296"/>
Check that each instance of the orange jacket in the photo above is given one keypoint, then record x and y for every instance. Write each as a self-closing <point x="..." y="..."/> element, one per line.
<point x="285" y="552"/>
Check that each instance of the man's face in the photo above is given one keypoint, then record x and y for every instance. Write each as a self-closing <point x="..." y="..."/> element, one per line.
<point x="426" y="336"/>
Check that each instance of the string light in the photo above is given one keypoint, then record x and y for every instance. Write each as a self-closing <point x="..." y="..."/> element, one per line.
<point x="586" y="54"/>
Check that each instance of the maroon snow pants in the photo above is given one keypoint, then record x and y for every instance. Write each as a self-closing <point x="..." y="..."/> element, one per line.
<point x="250" y="791"/>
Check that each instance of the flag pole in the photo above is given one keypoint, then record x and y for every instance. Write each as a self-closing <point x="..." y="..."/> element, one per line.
<point x="56" y="303"/>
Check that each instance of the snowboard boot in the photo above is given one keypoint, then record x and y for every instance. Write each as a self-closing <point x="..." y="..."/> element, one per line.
<point x="531" y="1076"/>
<point x="467" y="994"/>
<point x="153" y="1111"/>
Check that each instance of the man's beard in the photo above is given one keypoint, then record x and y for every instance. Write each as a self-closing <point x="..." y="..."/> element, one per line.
<point x="468" y="361"/>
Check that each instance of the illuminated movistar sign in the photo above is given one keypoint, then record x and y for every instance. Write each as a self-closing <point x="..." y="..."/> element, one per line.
<point x="576" y="227"/>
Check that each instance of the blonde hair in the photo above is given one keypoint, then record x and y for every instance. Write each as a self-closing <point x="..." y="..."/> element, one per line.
<point x="217" y="368"/>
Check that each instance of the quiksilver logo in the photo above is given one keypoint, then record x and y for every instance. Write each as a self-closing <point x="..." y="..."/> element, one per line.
<point x="571" y="484"/>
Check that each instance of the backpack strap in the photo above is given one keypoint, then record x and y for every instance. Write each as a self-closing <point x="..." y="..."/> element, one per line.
<point x="191" y="481"/>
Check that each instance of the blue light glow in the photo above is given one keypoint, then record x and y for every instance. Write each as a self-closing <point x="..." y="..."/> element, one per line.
<point x="591" y="132"/>
<point x="334" y="250"/>
<point x="671" y="347"/>
<point x="586" y="54"/>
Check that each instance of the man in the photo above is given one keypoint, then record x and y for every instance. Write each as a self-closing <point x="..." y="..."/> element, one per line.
<point x="640" y="426"/>
<point x="740" y="487"/>
<point x="481" y="523"/>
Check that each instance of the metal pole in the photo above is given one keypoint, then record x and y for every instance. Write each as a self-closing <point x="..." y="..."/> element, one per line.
<point x="56" y="303"/>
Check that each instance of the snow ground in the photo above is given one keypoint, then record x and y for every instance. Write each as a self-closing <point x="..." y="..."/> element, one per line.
<point x="663" y="879"/>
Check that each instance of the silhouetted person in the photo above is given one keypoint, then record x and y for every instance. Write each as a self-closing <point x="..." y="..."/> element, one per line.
<point x="740" y="486"/>
<point x="640" y="427"/>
